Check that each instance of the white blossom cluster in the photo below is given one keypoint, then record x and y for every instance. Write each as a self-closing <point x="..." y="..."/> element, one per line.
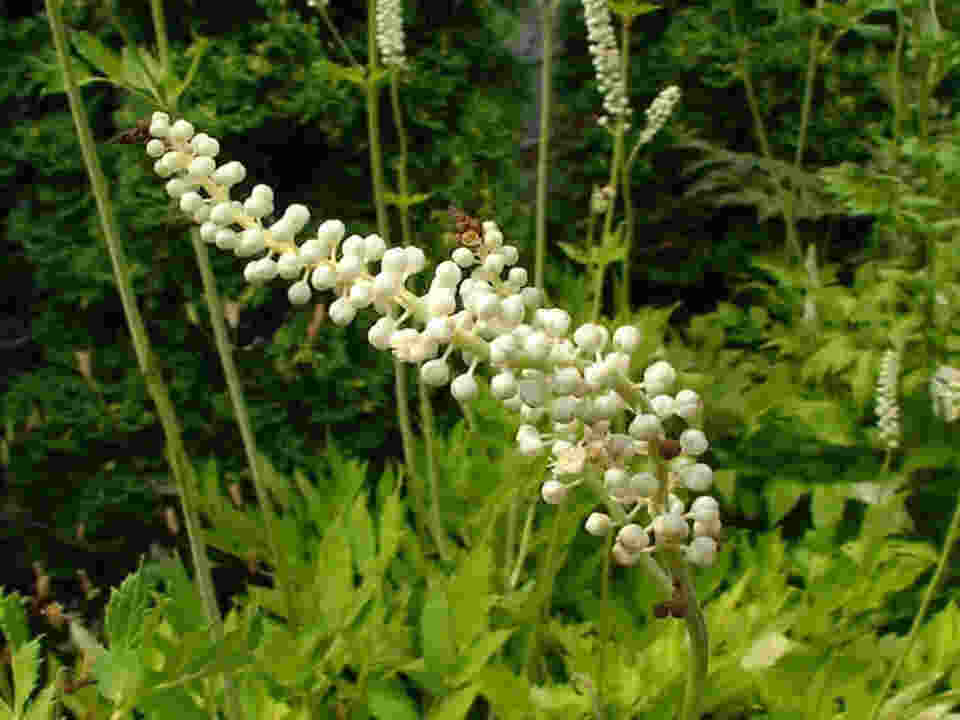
<point x="479" y="305"/>
<point x="945" y="393"/>
<point x="659" y="111"/>
<point x="390" y="32"/>
<point x="641" y="471"/>
<point x="606" y="62"/>
<point x="888" y="407"/>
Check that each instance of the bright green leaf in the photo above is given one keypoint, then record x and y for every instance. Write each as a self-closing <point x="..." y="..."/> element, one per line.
<point x="98" y="55"/>
<point x="437" y="631"/>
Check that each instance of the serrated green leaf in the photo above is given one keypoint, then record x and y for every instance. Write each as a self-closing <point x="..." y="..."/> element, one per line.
<point x="362" y="540"/>
<point x="120" y="675"/>
<point x="438" y="631"/>
<point x="126" y="611"/>
<point x="470" y="598"/>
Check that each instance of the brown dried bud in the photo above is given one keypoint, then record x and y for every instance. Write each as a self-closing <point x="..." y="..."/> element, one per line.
<point x="54" y="614"/>
<point x="236" y="494"/>
<point x="669" y="449"/>
<point x="661" y="610"/>
<point x="173" y="522"/>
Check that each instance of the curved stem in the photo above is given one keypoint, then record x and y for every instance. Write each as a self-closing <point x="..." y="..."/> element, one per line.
<point x="333" y="31"/>
<point x="543" y="149"/>
<point x="952" y="535"/>
<point x="699" y="643"/>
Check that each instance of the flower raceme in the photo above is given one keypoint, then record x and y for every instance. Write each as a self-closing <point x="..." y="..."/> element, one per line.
<point x="480" y="306"/>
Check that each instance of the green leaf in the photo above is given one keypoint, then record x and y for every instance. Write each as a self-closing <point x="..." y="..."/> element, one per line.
<point x="13" y="620"/>
<point x="362" y="540"/>
<point x="874" y="32"/>
<point x="477" y="657"/>
<point x="782" y="497"/>
<point x="406" y="201"/>
<point x="44" y="704"/>
<point x="120" y="675"/>
<point x="827" y="508"/>
<point x="98" y="55"/>
<point x="455" y="706"/>
<point x="629" y="9"/>
<point x="575" y="253"/>
<point x="198" y="49"/>
<point x="437" y="631"/>
<point x="26" y="663"/>
<point x="389" y="700"/>
<point x="470" y="598"/>
<point x="126" y="611"/>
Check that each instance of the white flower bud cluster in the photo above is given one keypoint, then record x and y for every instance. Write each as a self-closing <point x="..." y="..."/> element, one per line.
<point x="606" y="62"/>
<point x="945" y="392"/>
<point x="479" y="304"/>
<point x="659" y="111"/>
<point x="888" y="408"/>
<point x="583" y="444"/>
<point x="390" y="32"/>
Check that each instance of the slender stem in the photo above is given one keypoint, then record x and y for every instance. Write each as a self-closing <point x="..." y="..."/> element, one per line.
<point x="616" y="165"/>
<point x="426" y="422"/>
<point x="333" y="31"/>
<point x="543" y="149"/>
<point x="224" y="350"/>
<point x="160" y="30"/>
<point x="383" y="224"/>
<point x="698" y="665"/>
<point x="624" y="304"/>
<point x="550" y="572"/>
<point x="605" y="632"/>
<point x="402" y="180"/>
<point x="175" y="452"/>
<point x="524" y="545"/>
<point x="953" y="534"/>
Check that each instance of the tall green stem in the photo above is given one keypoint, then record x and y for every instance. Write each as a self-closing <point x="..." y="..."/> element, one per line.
<point x="175" y="452"/>
<point x="543" y="147"/>
<point x="953" y="534"/>
<point x="224" y="350"/>
<point x="622" y="173"/>
<point x="383" y="224"/>
<point x="698" y="666"/>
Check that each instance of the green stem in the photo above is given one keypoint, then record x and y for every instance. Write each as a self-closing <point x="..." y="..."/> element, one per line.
<point x="547" y="591"/>
<point x="427" y="424"/>
<point x="543" y="149"/>
<point x="333" y="31"/>
<point x="616" y="166"/>
<point x="224" y="350"/>
<point x="786" y="197"/>
<point x="160" y="30"/>
<point x="953" y="533"/>
<point x="524" y="544"/>
<point x="698" y="665"/>
<point x="605" y="633"/>
<point x="624" y="304"/>
<point x="426" y="421"/>
<point x="383" y="224"/>
<point x="175" y="451"/>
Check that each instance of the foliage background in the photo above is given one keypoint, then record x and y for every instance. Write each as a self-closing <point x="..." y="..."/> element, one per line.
<point x="82" y="446"/>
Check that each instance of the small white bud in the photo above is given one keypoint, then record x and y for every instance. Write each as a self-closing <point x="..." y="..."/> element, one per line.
<point x="554" y="492"/>
<point x="598" y="524"/>
<point x="693" y="442"/>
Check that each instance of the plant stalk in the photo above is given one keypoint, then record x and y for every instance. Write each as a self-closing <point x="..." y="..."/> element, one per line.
<point x="543" y="144"/>
<point x="175" y="452"/>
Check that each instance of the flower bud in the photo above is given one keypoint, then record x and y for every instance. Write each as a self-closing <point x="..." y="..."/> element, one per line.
<point x="598" y="524"/>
